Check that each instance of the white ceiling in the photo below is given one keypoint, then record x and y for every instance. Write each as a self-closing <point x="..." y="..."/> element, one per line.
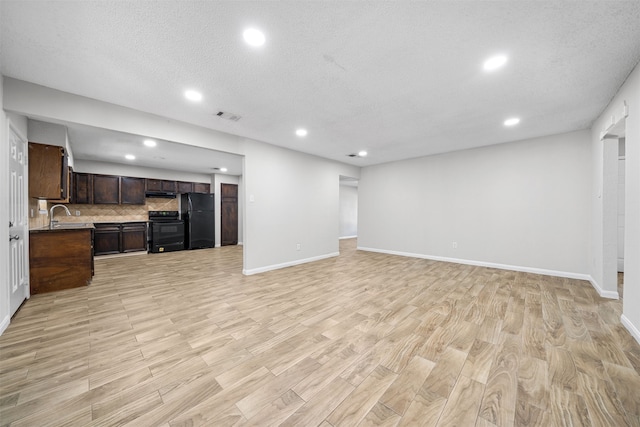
<point x="103" y="145"/>
<point x="398" y="79"/>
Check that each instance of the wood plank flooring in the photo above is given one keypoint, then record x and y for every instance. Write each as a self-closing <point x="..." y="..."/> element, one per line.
<point x="363" y="339"/>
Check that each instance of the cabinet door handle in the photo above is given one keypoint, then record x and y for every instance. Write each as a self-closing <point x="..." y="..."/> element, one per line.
<point x="10" y="224"/>
<point x="16" y="237"/>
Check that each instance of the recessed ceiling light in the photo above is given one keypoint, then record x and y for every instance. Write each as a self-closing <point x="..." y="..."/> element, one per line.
<point x="223" y="169"/>
<point x="130" y="157"/>
<point x="512" y="121"/>
<point x="494" y="62"/>
<point x="149" y="143"/>
<point x="362" y="153"/>
<point x="301" y="132"/>
<point x="253" y="37"/>
<point x="193" y="95"/>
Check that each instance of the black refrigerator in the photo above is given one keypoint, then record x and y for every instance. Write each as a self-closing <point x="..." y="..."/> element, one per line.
<point x="199" y="224"/>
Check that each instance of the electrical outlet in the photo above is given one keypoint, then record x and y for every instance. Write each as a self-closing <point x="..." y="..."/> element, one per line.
<point x="77" y="213"/>
<point x="454" y="245"/>
<point x="298" y="247"/>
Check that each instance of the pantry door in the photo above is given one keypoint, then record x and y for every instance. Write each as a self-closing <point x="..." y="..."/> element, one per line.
<point x="229" y="214"/>
<point x="18" y="221"/>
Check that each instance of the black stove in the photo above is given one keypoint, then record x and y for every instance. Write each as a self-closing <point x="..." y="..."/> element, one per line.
<point x="164" y="216"/>
<point x="166" y="231"/>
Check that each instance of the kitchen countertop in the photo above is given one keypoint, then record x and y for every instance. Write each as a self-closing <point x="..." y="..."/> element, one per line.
<point x="64" y="227"/>
<point x="120" y="222"/>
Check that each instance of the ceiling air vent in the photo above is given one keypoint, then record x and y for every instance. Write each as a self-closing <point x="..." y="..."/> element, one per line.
<point x="228" y="116"/>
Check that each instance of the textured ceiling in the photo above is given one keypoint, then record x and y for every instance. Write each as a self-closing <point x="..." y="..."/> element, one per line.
<point x="398" y="79"/>
<point x="103" y="145"/>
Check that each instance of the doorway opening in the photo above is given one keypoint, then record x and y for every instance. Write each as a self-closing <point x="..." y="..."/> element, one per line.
<point x="614" y="172"/>
<point x="348" y="208"/>
<point x="621" y="214"/>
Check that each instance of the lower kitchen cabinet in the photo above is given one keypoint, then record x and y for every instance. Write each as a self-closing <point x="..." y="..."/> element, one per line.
<point x="60" y="259"/>
<point x="133" y="237"/>
<point x="114" y="238"/>
<point x="106" y="238"/>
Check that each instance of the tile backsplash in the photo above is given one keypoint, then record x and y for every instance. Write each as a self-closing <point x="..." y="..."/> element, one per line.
<point x="102" y="213"/>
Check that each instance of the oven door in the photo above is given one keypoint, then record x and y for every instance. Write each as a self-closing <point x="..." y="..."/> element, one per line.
<point x="167" y="236"/>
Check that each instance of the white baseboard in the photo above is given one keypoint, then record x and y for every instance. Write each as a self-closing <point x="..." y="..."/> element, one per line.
<point x="287" y="264"/>
<point x="348" y="237"/>
<point x="240" y="243"/>
<point x="533" y="270"/>
<point x="4" y="324"/>
<point x="635" y="333"/>
<point x="602" y="292"/>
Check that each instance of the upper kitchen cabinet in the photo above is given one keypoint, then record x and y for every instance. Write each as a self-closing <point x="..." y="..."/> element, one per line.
<point x="48" y="172"/>
<point x="200" y="187"/>
<point x="184" y="187"/>
<point x="154" y="184"/>
<point x="161" y="185"/>
<point x="192" y="187"/>
<point x="132" y="190"/>
<point x="82" y="188"/>
<point x="106" y="189"/>
<point x="169" y="186"/>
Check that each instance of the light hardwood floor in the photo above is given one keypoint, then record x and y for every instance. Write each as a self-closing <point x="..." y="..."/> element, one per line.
<point x="182" y="339"/>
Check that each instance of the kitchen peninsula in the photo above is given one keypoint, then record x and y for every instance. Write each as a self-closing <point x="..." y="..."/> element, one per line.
<point x="60" y="258"/>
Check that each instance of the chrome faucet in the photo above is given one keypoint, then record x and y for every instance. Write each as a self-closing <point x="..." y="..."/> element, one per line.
<point x="52" y="222"/>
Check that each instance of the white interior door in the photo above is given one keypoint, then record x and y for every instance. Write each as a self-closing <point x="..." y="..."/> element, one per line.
<point x="18" y="221"/>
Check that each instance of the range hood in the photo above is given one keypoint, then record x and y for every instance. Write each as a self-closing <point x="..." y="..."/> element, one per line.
<point x="160" y="194"/>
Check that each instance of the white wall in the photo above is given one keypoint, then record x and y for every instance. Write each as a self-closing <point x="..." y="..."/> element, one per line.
<point x="44" y="103"/>
<point x="296" y="195"/>
<point x="519" y="205"/>
<point x="290" y="198"/>
<point x="604" y="201"/>
<point x="47" y="133"/>
<point x="50" y="134"/>
<point x="105" y="168"/>
<point x="348" y="211"/>
<point x="225" y="179"/>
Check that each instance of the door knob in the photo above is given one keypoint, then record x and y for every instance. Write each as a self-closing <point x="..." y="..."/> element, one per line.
<point x="16" y="237"/>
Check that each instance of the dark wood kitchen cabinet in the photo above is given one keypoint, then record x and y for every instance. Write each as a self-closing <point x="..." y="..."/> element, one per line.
<point x="115" y="238"/>
<point x="60" y="259"/>
<point x="192" y="187"/>
<point x="48" y="172"/>
<point x="82" y="188"/>
<point x="133" y="237"/>
<point x="106" y="189"/>
<point x="185" y="187"/>
<point x="161" y="185"/>
<point x="228" y="214"/>
<point x="168" y="186"/>
<point x="153" y="184"/>
<point x="106" y="238"/>
<point x="132" y="190"/>
<point x="200" y="187"/>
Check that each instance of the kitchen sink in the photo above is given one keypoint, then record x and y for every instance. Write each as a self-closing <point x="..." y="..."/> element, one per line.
<point x="69" y="225"/>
